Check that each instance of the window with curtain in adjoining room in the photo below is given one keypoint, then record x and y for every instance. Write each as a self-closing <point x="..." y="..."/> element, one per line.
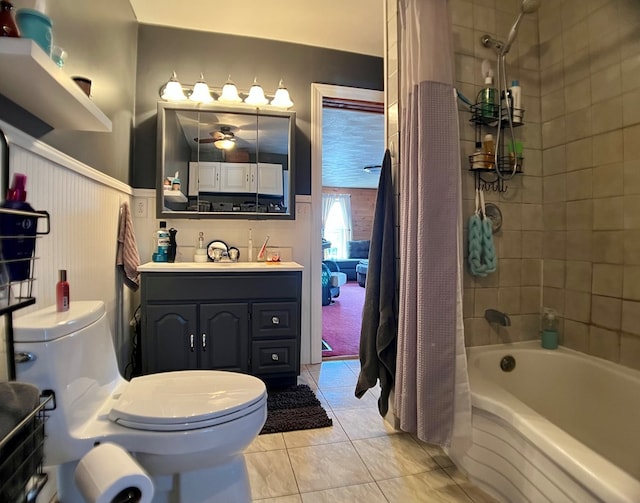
<point x="336" y="224"/>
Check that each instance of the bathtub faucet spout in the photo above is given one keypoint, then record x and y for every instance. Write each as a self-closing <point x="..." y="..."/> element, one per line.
<point x="495" y="316"/>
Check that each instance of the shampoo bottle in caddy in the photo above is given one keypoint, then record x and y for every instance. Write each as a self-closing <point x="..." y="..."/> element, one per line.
<point x="516" y="95"/>
<point x="487" y="96"/>
<point x="62" y="292"/>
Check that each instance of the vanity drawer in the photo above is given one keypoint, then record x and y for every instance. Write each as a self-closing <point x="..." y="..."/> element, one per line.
<point x="270" y="357"/>
<point x="274" y="319"/>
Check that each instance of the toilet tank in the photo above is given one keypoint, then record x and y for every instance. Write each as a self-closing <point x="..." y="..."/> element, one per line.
<point x="73" y="355"/>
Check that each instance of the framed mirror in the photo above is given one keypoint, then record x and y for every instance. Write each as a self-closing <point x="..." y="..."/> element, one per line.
<point x="216" y="161"/>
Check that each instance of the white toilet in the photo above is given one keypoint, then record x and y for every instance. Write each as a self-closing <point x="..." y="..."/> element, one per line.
<point x="187" y="429"/>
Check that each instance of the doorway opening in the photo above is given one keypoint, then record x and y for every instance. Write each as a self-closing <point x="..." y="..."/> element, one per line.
<point x="320" y="93"/>
<point x="353" y="139"/>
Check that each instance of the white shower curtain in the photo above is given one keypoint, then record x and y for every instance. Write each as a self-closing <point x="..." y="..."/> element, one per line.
<point x="432" y="395"/>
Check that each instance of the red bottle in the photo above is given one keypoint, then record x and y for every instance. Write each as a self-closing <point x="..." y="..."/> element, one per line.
<point x="62" y="292"/>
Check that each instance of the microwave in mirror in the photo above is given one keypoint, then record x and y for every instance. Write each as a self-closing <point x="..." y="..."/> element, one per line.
<point x="225" y="162"/>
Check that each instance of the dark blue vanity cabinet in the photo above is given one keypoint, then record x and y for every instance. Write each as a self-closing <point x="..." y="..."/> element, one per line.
<point x="238" y="321"/>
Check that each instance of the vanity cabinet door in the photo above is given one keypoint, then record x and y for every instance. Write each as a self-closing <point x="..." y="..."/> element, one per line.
<point x="237" y="177"/>
<point x="270" y="180"/>
<point x="223" y="338"/>
<point x="169" y="338"/>
<point x="207" y="177"/>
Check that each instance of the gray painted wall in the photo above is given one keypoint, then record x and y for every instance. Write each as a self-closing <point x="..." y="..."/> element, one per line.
<point x="101" y="39"/>
<point x="162" y="50"/>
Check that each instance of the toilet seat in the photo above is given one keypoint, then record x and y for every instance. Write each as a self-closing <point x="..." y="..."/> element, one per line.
<point x="187" y="400"/>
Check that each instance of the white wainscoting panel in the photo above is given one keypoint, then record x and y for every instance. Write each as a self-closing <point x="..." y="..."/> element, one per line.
<point x="84" y="208"/>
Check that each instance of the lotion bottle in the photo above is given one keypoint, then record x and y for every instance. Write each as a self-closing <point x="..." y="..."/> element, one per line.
<point x="62" y="292"/>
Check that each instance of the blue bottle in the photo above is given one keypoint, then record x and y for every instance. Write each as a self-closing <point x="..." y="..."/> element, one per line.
<point x="161" y="244"/>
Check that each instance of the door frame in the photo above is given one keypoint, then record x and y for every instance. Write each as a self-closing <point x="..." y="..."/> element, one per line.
<point x="318" y="93"/>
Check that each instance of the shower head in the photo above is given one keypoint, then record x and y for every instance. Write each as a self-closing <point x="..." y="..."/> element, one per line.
<point x="530" y="6"/>
<point x="527" y="7"/>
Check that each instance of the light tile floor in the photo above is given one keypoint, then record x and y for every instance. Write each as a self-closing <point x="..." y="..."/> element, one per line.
<point x="360" y="458"/>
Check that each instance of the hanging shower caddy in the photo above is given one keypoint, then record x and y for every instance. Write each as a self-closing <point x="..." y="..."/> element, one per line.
<point x="486" y="118"/>
<point x="22" y="449"/>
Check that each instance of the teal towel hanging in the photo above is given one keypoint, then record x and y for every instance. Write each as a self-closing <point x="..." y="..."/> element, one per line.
<point x="475" y="246"/>
<point x="481" y="253"/>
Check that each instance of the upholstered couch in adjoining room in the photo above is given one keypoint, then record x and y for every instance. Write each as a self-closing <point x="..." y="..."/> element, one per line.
<point x="356" y="250"/>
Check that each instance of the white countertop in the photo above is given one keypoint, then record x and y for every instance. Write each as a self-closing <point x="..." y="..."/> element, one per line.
<point x="219" y="267"/>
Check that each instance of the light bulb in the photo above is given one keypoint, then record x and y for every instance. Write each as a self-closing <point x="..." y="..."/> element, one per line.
<point x="225" y="144"/>
<point x="201" y="92"/>
<point x="282" y="98"/>
<point x="256" y="95"/>
<point x="172" y="90"/>
<point x="229" y="93"/>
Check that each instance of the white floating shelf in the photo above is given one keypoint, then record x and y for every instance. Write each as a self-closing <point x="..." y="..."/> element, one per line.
<point x="32" y="80"/>
<point x="174" y="196"/>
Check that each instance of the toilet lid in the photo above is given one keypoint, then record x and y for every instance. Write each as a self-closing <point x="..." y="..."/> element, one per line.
<point x="186" y="400"/>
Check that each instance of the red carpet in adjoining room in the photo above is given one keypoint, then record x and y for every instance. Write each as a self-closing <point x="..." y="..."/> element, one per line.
<point x="341" y="321"/>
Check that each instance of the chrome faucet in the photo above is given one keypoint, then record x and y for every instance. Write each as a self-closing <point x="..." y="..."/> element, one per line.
<point x="495" y="316"/>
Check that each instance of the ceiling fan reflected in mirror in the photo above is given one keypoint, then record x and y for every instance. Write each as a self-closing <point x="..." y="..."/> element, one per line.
<point x="373" y="169"/>
<point x="223" y="138"/>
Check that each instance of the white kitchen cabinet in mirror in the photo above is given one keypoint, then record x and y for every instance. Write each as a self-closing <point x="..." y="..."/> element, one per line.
<point x="253" y="179"/>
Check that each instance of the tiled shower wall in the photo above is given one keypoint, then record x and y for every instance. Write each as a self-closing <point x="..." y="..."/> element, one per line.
<point x="590" y="87"/>
<point x="515" y="288"/>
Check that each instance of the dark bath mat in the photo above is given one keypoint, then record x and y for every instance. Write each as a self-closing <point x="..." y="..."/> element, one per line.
<point x="294" y="408"/>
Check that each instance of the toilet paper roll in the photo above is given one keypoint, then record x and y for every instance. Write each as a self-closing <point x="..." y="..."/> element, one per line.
<point x="108" y="474"/>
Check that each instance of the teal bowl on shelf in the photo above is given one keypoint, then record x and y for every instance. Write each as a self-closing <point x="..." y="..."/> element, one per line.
<point x="36" y="26"/>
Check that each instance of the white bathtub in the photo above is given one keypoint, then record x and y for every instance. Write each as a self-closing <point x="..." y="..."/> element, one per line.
<point x="562" y="426"/>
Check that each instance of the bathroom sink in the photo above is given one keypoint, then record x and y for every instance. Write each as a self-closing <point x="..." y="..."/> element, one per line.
<point x="219" y="266"/>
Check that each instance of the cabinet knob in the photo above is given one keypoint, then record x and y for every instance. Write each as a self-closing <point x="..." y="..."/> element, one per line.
<point x="204" y="342"/>
<point x="192" y="345"/>
<point x="275" y="320"/>
<point x="275" y="357"/>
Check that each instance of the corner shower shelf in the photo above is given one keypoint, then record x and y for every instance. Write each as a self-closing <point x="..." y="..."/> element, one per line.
<point x="486" y="178"/>
<point x="487" y="115"/>
<point x="32" y="80"/>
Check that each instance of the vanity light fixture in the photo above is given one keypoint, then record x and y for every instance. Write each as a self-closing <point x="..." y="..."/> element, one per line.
<point x="229" y="93"/>
<point x="201" y="91"/>
<point x="172" y="90"/>
<point x="282" y="98"/>
<point x="256" y="95"/>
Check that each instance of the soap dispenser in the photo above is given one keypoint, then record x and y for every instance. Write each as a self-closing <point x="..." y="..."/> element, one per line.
<point x="549" y="329"/>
